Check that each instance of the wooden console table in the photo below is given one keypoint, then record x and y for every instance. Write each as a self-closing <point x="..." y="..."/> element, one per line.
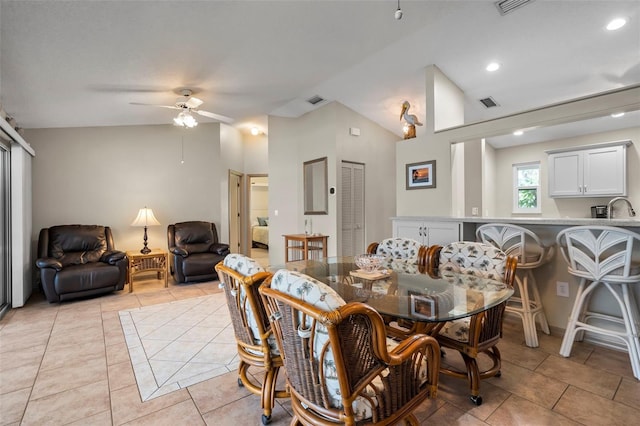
<point x="304" y="247"/>
<point x="157" y="260"/>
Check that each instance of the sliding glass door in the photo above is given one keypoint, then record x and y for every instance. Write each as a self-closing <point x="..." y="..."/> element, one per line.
<point x="5" y="227"/>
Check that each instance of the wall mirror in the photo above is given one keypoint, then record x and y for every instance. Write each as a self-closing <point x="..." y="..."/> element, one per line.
<point x="316" y="187"/>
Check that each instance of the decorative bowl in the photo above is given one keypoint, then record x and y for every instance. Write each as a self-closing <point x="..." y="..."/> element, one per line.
<point x="369" y="262"/>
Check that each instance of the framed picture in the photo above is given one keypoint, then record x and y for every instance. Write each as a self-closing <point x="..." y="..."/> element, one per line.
<point x="421" y="175"/>
<point x="423" y="307"/>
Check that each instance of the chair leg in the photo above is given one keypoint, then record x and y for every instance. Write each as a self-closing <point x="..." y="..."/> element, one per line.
<point x="473" y="375"/>
<point x="630" y="318"/>
<point x="530" y="308"/>
<point x="634" y="313"/>
<point x="539" y="310"/>
<point x="570" y="332"/>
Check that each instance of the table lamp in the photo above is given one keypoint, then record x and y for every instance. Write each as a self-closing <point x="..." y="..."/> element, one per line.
<point x="145" y="218"/>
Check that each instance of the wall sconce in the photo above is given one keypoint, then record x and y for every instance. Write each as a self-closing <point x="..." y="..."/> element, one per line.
<point x="145" y="218"/>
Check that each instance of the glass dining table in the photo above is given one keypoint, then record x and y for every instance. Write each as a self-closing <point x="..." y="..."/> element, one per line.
<point x="404" y="293"/>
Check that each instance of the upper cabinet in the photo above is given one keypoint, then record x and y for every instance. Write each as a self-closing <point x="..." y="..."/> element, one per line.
<point x="591" y="171"/>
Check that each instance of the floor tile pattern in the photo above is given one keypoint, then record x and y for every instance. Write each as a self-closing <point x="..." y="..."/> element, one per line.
<point x="174" y="345"/>
<point x="68" y="363"/>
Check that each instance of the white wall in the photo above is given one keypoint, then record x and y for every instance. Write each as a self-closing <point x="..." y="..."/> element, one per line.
<point x="103" y="175"/>
<point x="325" y="133"/>
<point x="231" y="158"/>
<point x="488" y="180"/>
<point x="259" y="195"/>
<point x="376" y="148"/>
<point x="285" y="176"/>
<point x="256" y="158"/>
<point x="472" y="177"/>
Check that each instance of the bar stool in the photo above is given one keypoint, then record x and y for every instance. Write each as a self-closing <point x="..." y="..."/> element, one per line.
<point x="603" y="256"/>
<point x="531" y="253"/>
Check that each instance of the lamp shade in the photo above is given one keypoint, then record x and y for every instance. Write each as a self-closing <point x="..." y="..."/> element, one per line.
<point x="145" y="218"/>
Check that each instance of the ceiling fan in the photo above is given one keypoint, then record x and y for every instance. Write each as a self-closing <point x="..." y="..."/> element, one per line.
<point x="188" y="104"/>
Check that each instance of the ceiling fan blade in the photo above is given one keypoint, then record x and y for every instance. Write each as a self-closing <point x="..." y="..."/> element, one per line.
<point x="217" y="117"/>
<point x="193" y="102"/>
<point x="153" y="105"/>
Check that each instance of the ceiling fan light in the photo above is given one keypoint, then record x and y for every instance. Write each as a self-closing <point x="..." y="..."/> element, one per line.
<point x="184" y="119"/>
<point x="189" y="121"/>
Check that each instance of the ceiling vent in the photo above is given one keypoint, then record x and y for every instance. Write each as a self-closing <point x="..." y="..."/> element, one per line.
<point x="314" y="100"/>
<point x="508" y="6"/>
<point x="489" y="102"/>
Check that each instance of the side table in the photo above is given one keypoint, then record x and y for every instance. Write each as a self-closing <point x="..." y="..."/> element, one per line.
<point x="157" y="260"/>
<point x="304" y="246"/>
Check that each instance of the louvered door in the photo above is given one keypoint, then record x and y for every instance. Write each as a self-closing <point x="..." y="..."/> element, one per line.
<point x="352" y="209"/>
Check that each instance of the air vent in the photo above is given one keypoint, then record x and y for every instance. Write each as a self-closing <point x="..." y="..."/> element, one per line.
<point x="489" y="102"/>
<point x="508" y="6"/>
<point x="315" y="100"/>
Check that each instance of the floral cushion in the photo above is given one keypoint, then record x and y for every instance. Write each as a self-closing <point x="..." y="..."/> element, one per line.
<point x="472" y="258"/>
<point x="325" y="298"/>
<point x="399" y="248"/>
<point x="477" y="259"/>
<point x="247" y="266"/>
<point x="457" y="330"/>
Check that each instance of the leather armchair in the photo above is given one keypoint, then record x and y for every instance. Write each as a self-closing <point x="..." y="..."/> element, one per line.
<point x="79" y="260"/>
<point x="194" y="251"/>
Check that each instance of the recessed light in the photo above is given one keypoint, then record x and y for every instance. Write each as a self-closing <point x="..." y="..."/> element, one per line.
<point x="617" y="114"/>
<point x="493" y="66"/>
<point x="518" y="133"/>
<point x="616" y="24"/>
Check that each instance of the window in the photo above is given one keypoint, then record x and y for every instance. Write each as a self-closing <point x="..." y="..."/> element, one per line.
<point x="526" y="188"/>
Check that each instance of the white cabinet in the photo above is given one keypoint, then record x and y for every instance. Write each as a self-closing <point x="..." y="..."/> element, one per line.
<point x="426" y="232"/>
<point x="592" y="171"/>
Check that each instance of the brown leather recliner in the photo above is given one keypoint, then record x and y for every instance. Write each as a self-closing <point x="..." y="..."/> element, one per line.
<point x="79" y="260"/>
<point x="194" y="251"/>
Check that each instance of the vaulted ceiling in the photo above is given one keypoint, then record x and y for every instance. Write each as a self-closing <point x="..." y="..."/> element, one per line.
<point x="81" y="63"/>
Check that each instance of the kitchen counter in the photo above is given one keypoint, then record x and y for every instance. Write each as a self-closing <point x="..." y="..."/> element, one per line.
<point x="562" y="221"/>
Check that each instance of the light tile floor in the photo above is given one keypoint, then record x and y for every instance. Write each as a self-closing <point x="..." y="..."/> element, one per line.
<point x="68" y="364"/>
<point x="177" y="344"/>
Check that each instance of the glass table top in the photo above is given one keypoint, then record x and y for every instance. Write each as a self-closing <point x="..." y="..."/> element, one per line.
<point x="401" y="290"/>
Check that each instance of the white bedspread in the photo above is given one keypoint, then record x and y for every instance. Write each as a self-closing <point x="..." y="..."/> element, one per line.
<point x="260" y="234"/>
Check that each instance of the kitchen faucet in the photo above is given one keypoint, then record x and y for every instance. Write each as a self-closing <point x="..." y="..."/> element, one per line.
<point x="615" y="200"/>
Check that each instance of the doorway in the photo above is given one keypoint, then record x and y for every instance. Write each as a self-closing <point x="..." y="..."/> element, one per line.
<point x="258" y="218"/>
<point x="235" y="207"/>
<point x="352" y="211"/>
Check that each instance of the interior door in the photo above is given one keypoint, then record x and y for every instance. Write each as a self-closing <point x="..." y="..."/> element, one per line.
<point x="352" y="233"/>
<point x="235" y="207"/>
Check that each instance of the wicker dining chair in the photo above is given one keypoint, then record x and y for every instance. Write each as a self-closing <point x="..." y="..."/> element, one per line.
<point x="481" y="332"/>
<point x="403" y="253"/>
<point x="341" y="368"/>
<point x="241" y="276"/>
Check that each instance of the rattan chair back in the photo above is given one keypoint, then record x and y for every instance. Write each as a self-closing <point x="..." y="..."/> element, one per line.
<point x="339" y="368"/>
<point x="481" y="332"/>
<point x="240" y="276"/>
